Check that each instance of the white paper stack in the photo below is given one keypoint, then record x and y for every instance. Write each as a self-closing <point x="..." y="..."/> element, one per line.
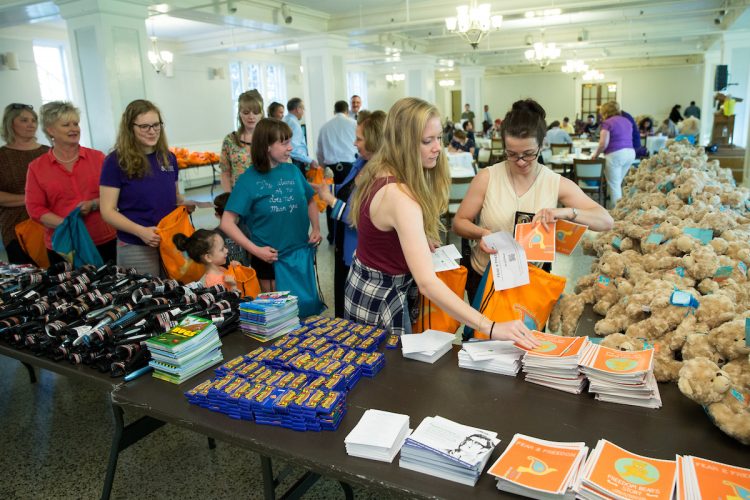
<point x="427" y="346"/>
<point x="624" y="377"/>
<point x="494" y="356"/>
<point x="700" y="478"/>
<point x="378" y="435"/>
<point x="555" y="363"/>
<point x="448" y="450"/>
<point x="536" y="468"/>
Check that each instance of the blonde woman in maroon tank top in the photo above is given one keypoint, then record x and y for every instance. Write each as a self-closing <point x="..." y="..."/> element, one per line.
<point x="397" y="206"/>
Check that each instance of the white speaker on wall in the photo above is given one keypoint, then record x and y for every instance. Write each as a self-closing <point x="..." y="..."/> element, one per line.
<point x="9" y="60"/>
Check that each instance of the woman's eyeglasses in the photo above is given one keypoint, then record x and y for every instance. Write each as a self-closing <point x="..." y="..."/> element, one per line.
<point x="17" y="105"/>
<point x="512" y="156"/>
<point x="145" y="127"/>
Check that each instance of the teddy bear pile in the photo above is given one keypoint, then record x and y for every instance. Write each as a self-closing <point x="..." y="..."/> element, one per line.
<point x="673" y="274"/>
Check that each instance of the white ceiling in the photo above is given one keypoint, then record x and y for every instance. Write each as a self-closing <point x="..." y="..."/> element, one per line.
<point x="622" y="33"/>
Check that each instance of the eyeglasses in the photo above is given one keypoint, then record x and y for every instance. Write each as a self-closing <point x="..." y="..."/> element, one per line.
<point x="17" y="105"/>
<point x="145" y="127"/>
<point x="512" y="156"/>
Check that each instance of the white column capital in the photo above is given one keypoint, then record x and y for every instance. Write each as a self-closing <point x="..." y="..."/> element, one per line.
<point x="323" y="44"/>
<point x="70" y="9"/>
<point x="472" y="71"/>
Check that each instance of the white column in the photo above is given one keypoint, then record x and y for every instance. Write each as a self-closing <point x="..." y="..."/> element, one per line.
<point x="420" y="77"/>
<point x="471" y="92"/>
<point x="324" y="81"/>
<point x="109" y="48"/>
<point x="711" y="60"/>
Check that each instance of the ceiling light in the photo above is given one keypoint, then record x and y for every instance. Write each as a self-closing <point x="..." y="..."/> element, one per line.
<point x="473" y="22"/>
<point x="593" y="75"/>
<point x="446" y="83"/>
<point x="159" y="59"/>
<point x="575" y="66"/>
<point x="542" y="53"/>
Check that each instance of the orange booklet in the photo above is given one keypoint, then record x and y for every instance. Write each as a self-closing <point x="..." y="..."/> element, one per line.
<point x="567" y="235"/>
<point x="619" y="473"/>
<point x="552" y="345"/>
<point x="717" y="480"/>
<point x="618" y="362"/>
<point x="540" y="465"/>
<point x="537" y="242"/>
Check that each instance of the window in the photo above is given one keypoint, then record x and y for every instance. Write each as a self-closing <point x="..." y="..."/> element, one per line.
<point x="356" y="84"/>
<point x="269" y="79"/>
<point x="594" y="95"/>
<point x="52" y="73"/>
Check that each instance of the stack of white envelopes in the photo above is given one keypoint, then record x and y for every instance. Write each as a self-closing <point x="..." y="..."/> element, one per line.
<point x="378" y="435"/>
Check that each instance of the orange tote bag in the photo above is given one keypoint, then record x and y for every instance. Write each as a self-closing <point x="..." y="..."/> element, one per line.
<point x="317" y="176"/>
<point x="30" y="236"/>
<point x="177" y="264"/>
<point x="430" y="316"/>
<point x="247" y="280"/>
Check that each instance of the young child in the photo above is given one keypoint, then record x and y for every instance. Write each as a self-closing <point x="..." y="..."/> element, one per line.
<point x="236" y="252"/>
<point x="207" y="247"/>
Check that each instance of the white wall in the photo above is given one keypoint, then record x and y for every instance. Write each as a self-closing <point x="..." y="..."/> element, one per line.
<point x="641" y="91"/>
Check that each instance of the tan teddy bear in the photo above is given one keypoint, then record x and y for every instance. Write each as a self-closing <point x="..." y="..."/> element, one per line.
<point x="697" y="345"/>
<point x="715" y="309"/>
<point x="705" y="383"/>
<point x="729" y="340"/>
<point x="567" y="312"/>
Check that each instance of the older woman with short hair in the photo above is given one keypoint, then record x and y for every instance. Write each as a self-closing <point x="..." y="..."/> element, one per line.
<point x="616" y="142"/>
<point x="65" y="178"/>
<point x="19" y="128"/>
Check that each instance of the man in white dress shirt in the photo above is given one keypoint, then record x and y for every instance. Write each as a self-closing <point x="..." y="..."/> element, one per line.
<point x="336" y="149"/>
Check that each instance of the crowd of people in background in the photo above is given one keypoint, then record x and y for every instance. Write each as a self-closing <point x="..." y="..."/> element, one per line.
<point x="385" y="188"/>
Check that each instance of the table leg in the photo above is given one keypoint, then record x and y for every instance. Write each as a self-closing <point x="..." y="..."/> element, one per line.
<point x="32" y="374"/>
<point x="296" y="491"/>
<point x="269" y="483"/>
<point x="211" y="443"/>
<point x="348" y="492"/>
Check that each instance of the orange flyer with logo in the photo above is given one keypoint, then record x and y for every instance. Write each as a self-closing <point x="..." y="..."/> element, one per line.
<point x="536" y="464"/>
<point x="717" y="480"/>
<point x="680" y="486"/>
<point x="537" y="242"/>
<point x="567" y="235"/>
<point x="620" y="362"/>
<point x="551" y="345"/>
<point x="627" y="475"/>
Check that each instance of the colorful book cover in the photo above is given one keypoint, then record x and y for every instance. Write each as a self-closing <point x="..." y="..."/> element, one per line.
<point x="189" y="328"/>
<point x="536" y="464"/>
<point x="567" y="236"/>
<point x="717" y="480"/>
<point x="622" y="474"/>
<point x="550" y="345"/>
<point x="619" y="362"/>
<point x="537" y="242"/>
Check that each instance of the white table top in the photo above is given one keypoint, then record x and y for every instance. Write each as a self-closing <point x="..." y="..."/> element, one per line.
<point x="460" y="164"/>
<point x="567" y="159"/>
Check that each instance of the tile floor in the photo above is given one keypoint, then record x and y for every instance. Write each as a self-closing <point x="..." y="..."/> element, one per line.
<point x="55" y="434"/>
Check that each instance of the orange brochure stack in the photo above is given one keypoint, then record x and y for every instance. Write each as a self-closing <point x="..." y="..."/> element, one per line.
<point x="612" y="472"/>
<point x="620" y="376"/>
<point x="536" y="468"/>
<point x="554" y="363"/>
<point x="700" y="478"/>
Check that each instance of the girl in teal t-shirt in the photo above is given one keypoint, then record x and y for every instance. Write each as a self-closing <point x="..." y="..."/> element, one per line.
<point x="274" y="201"/>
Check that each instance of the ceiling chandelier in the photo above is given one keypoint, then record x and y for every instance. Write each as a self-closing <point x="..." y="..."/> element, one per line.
<point x="593" y="75"/>
<point x="394" y="78"/>
<point x="159" y="59"/>
<point x="542" y="53"/>
<point x="447" y="83"/>
<point x="473" y="22"/>
<point x="575" y="66"/>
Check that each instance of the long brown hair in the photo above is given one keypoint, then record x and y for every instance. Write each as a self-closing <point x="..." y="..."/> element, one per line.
<point x="252" y="101"/>
<point x="400" y="156"/>
<point x="131" y="158"/>
<point x="268" y="131"/>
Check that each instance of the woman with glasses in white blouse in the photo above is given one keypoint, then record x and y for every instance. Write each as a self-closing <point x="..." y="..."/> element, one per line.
<point x="500" y="194"/>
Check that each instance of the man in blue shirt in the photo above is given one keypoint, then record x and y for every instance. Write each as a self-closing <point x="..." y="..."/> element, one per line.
<point x="336" y="149"/>
<point x="693" y="110"/>
<point x="296" y="109"/>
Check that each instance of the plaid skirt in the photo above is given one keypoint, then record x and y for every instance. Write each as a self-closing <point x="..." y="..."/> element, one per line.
<point x="379" y="299"/>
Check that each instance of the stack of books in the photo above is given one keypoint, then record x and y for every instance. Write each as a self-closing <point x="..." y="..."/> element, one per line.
<point x="270" y="315"/>
<point x="554" y="363"/>
<point x="699" y="478"/>
<point x="427" y="346"/>
<point x="448" y="450"/>
<point x="185" y="350"/>
<point x="494" y="356"/>
<point x="624" y="377"/>
<point x="612" y="472"/>
<point x="535" y="468"/>
<point x="378" y="435"/>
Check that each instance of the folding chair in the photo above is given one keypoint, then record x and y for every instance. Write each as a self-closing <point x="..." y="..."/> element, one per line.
<point x="589" y="174"/>
<point x="459" y="187"/>
<point x="483" y="157"/>
<point x="558" y="149"/>
<point x="497" y="151"/>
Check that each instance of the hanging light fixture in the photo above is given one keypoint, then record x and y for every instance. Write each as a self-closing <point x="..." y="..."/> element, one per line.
<point x="473" y="22"/>
<point x="575" y="66"/>
<point x="593" y="75"/>
<point x="446" y="83"/>
<point x="159" y="59"/>
<point x="542" y="53"/>
<point x="394" y="78"/>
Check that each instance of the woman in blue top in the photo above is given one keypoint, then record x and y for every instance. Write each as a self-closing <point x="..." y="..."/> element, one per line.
<point x="274" y="201"/>
<point x="369" y="136"/>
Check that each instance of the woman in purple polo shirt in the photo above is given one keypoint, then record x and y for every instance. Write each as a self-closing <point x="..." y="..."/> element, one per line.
<point x="616" y="141"/>
<point x="138" y="186"/>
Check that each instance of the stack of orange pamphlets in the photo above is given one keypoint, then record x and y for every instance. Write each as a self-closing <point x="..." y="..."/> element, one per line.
<point x="555" y="362"/>
<point x="539" y="469"/>
<point x="700" y="478"/>
<point x="567" y="236"/>
<point x="625" y="377"/>
<point x="538" y="243"/>
<point x="612" y="472"/>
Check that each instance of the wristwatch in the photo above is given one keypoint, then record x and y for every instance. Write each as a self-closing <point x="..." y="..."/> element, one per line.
<point x="575" y="214"/>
